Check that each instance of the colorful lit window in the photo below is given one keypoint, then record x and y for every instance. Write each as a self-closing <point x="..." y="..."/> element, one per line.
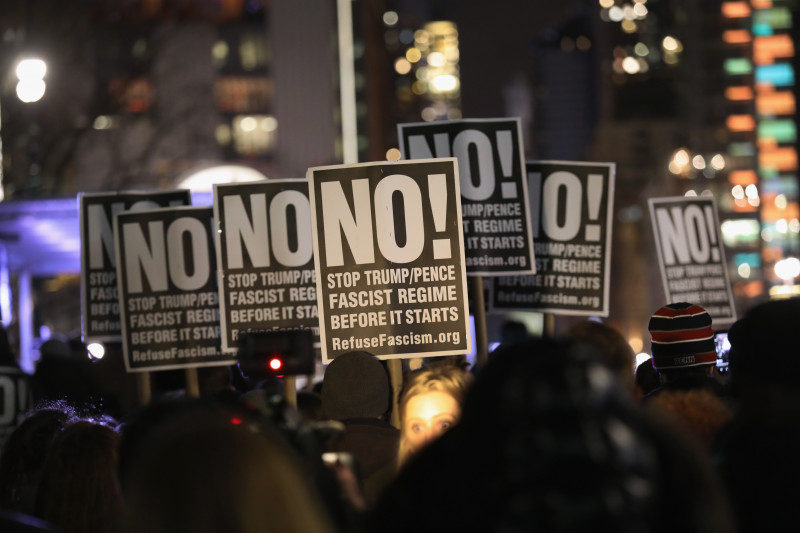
<point x="783" y="131"/>
<point x="775" y="103"/>
<point x="767" y="49"/>
<point x="780" y="75"/>
<point x="736" y="36"/>
<point x="739" y="93"/>
<point x="738" y="65"/>
<point x="777" y="18"/>
<point x="781" y="159"/>
<point x="740" y="123"/>
<point x="742" y="177"/>
<point x="735" y="9"/>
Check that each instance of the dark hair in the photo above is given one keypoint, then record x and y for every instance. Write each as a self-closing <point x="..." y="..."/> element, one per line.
<point x="78" y="491"/>
<point x="24" y="455"/>
<point x="613" y="350"/>
<point x="217" y="476"/>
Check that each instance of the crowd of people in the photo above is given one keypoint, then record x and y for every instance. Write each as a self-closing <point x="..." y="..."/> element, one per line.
<point x="553" y="434"/>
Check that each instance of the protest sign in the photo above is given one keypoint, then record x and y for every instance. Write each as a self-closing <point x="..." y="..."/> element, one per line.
<point x="265" y="256"/>
<point x="165" y="269"/>
<point x="15" y="400"/>
<point x="494" y="192"/>
<point x="691" y="255"/>
<point x="389" y="256"/>
<point x="101" y="316"/>
<point x="571" y="219"/>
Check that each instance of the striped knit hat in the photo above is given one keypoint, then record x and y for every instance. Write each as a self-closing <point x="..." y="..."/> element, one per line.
<point x="682" y="337"/>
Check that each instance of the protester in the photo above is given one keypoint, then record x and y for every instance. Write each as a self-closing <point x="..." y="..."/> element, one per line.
<point x="61" y="375"/>
<point x="615" y="352"/>
<point x="24" y="455"/>
<point x="547" y="442"/>
<point x="646" y="379"/>
<point x="218" y="475"/>
<point x="698" y="412"/>
<point x="430" y="404"/>
<point x="683" y="348"/>
<point x="756" y="454"/>
<point x="356" y="392"/>
<point x="78" y="491"/>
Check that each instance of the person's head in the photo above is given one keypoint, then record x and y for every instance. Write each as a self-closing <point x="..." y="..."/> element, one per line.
<point x="429" y="405"/>
<point x="218" y="476"/>
<point x="355" y="385"/>
<point x="682" y="341"/>
<point x="24" y="454"/>
<point x="763" y="358"/>
<point x="78" y="491"/>
<point x="613" y="350"/>
<point x="646" y="379"/>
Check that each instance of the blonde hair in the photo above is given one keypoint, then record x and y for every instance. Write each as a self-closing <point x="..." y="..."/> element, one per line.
<point x="445" y="377"/>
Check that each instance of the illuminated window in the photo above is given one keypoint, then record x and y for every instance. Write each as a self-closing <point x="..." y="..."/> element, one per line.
<point x="783" y="131"/>
<point x="740" y="123"/>
<point x="739" y="93"/>
<point x="136" y="95"/>
<point x="736" y="36"/>
<point x="738" y="65"/>
<point x="766" y="49"/>
<point x="242" y="94"/>
<point x="780" y="75"/>
<point x="781" y="159"/>
<point x="761" y="4"/>
<point x="742" y="177"/>
<point x="775" y="103"/>
<point x="735" y="10"/>
<point x="779" y="18"/>
<point x="742" y="149"/>
<point x="254" y="134"/>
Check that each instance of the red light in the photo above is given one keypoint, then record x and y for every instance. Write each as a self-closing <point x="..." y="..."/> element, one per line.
<point x="236" y="420"/>
<point x="275" y="363"/>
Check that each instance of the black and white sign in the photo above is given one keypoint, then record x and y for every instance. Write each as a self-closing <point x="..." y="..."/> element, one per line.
<point x="101" y="316"/>
<point x="266" y="258"/>
<point x="571" y="217"/>
<point x="691" y="255"/>
<point x="389" y="256"/>
<point x="166" y="270"/>
<point x="494" y="193"/>
<point x="15" y="400"/>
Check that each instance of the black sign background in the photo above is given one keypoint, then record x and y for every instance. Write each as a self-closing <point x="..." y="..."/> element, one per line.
<point x="571" y="217"/>
<point x="101" y="317"/>
<point x="494" y="192"/>
<point x="258" y="291"/>
<point x="412" y="304"/>
<point x="167" y="278"/>
<point x="691" y="254"/>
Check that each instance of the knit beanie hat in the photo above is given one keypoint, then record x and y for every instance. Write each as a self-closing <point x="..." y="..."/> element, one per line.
<point x="355" y="385"/>
<point x="682" y="337"/>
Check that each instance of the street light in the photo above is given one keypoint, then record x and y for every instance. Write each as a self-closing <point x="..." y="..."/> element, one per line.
<point x="31" y="86"/>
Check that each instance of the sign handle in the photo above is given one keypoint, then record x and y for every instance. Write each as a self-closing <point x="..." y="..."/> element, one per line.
<point x="549" y="325"/>
<point x="290" y="390"/>
<point x="395" y="367"/>
<point x="143" y="387"/>
<point x="192" y="383"/>
<point x="479" y="312"/>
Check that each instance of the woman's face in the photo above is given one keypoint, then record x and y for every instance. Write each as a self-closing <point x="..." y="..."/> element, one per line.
<point x="428" y="415"/>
